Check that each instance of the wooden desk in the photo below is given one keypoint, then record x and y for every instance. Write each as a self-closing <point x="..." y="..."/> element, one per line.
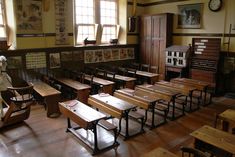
<point x="199" y="85"/>
<point x="144" y="99"/>
<point x="82" y="90"/>
<point x="51" y="97"/>
<point x="129" y="81"/>
<point x="152" y="77"/>
<point x="115" y="107"/>
<point x="159" y="152"/>
<point x="87" y="118"/>
<point x="215" y="141"/>
<point x="183" y="89"/>
<point x="167" y="95"/>
<point x="228" y="118"/>
<point x="107" y="85"/>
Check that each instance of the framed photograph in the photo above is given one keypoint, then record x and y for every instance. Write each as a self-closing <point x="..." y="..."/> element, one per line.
<point x="54" y="60"/>
<point x="190" y="15"/>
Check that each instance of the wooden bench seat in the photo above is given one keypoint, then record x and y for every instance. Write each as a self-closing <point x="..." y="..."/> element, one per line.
<point x="107" y="125"/>
<point x="135" y="115"/>
<point x="163" y="107"/>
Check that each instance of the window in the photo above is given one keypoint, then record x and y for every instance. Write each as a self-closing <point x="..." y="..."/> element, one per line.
<point x="85" y="20"/>
<point x="2" y="25"/>
<point x="108" y="19"/>
<point x="90" y="13"/>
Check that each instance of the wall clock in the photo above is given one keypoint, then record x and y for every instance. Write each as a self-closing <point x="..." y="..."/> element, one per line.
<point x="215" y="5"/>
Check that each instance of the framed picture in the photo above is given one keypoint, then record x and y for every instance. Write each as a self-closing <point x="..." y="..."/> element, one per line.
<point x="66" y="56"/>
<point x="54" y="60"/>
<point x="14" y="62"/>
<point x="190" y="15"/>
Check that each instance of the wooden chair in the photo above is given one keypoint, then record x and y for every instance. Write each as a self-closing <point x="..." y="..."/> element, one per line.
<point x="101" y="73"/>
<point x="153" y="69"/>
<point x="135" y="65"/>
<point x="17" y="107"/>
<point x="95" y="88"/>
<point x="192" y="152"/>
<point x="145" y="67"/>
<point x="80" y="76"/>
<point x="122" y="71"/>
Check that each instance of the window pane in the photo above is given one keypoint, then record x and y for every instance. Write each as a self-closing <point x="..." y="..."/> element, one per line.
<point x="108" y="11"/>
<point x="84" y="12"/>
<point x="84" y="9"/>
<point x="2" y="27"/>
<point x="2" y="32"/>
<point x="85" y="32"/>
<point x="109" y="32"/>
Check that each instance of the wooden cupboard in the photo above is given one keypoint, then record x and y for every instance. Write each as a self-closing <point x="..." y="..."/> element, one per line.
<point x="155" y="36"/>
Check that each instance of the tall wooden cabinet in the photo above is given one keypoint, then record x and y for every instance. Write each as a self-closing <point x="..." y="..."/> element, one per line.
<point x="155" y="36"/>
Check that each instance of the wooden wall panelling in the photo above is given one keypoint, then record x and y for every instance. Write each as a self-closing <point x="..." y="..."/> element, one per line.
<point x="22" y="73"/>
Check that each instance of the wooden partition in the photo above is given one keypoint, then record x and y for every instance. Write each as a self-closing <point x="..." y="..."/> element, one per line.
<point x="27" y="63"/>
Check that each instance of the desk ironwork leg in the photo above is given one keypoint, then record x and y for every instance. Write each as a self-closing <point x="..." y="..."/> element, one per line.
<point x="120" y="125"/>
<point x="173" y="109"/>
<point x="153" y="109"/>
<point x="191" y="100"/>
<point x="69" y="125"/>
<point x="95" y="139"/>
<point x="201" y="98"/>
<point x="205" y="91"/>
<point x="127" y="124"/>
<point x="146" y="115"/>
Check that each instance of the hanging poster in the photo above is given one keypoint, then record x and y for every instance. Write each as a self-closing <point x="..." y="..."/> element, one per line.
<point x="115" y="54"/>
<point x="61" y="22"/>
<point x="78" y="55"/>
<point x="35" y="60"/>
<point x="130" y="53"/>
<point x="107" y="53"/>
<point x="99" y="56"/>
<point x="89" y="56"/>
<point x="123" y="54"/>
<point x="28" y="16"/>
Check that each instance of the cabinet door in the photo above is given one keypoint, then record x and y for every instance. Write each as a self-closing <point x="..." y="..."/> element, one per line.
<point x="159" y="43"/>
<point x="146" y="35"/>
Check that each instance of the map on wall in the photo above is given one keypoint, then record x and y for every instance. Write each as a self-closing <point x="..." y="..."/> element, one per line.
<point x="28" y="15"/>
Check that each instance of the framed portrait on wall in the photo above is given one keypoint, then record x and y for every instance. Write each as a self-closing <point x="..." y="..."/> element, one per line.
<point x="190" y="15"/>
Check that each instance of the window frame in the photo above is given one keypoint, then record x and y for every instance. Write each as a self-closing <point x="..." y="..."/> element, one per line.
<point x="98" y="27"/>
<point x="3" y="24"/>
